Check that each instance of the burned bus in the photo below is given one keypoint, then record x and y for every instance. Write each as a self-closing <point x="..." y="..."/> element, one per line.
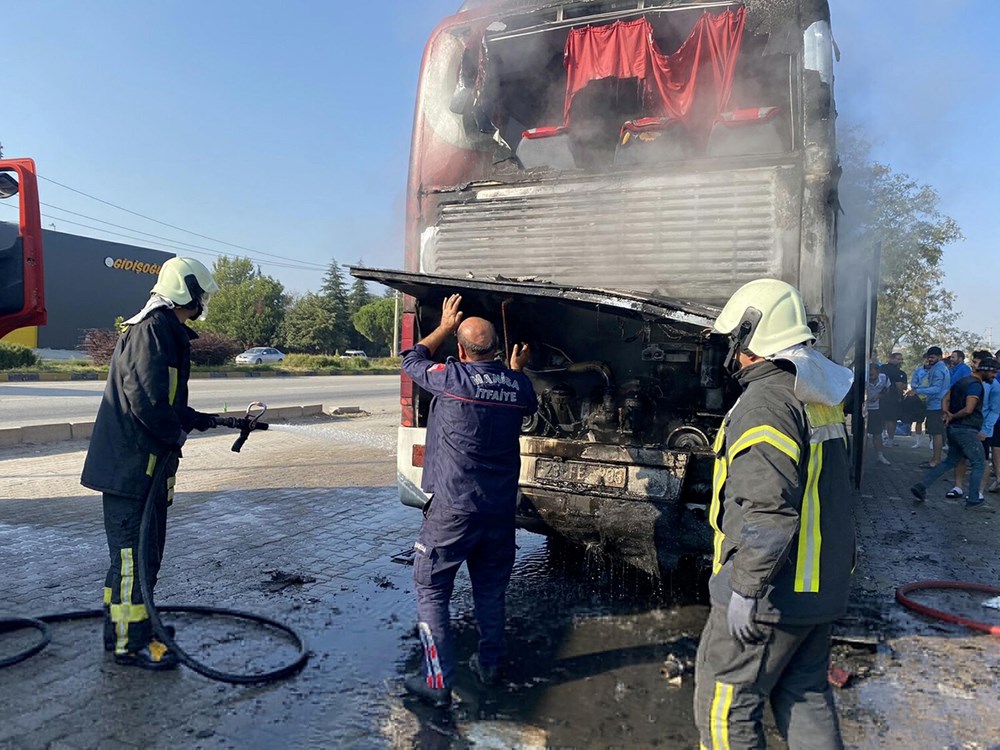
<point x="597" y="178"/>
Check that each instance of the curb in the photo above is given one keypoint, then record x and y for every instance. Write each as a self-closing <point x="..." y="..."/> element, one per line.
<point x="44" y="434"/>
<point x="48" y="377"/>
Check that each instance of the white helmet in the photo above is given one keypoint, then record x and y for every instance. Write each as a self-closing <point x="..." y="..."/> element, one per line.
<point x="764" y="317"/>
<point x="185" y="281"/>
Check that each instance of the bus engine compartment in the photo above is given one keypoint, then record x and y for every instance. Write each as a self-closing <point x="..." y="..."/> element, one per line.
<point x="631" y="391"/>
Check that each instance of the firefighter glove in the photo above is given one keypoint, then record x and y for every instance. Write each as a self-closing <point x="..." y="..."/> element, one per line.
<point x="740" y="614"/>
<point x="204" y="422"/>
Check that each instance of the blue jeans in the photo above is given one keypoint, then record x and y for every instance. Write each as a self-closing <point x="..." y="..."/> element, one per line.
<point x="963" y="442"/>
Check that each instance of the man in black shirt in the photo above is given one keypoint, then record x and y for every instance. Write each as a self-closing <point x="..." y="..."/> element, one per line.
<point x="891" y="403"/>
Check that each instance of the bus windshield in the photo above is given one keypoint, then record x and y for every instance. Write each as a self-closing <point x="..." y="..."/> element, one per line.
<point x="635" y="90"/>
<point x="647" y="145"/>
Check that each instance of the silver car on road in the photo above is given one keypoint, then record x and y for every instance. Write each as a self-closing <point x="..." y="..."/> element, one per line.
<point x="259" y="355"/>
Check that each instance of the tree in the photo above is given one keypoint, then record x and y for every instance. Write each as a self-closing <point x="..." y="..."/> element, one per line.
<point x="233" y="271"/>
<point x="335" y="292"/>
<point x="358" y="298"/>
<point x="249" y="306"/>
<point x="375" y="322"/>
<point x="309" y="325"/>
<point x="895" y="211"/>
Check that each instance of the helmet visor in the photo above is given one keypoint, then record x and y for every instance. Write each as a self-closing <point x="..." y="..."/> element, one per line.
<point x="203" y="300"/>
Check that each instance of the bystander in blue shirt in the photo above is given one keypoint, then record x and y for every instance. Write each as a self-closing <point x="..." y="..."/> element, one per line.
<point x="960" y="371"/>
<point x="940" y="382"/>
<point x="991" y="408"/>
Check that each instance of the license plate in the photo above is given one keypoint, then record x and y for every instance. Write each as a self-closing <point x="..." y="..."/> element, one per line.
<point x="580" y="472"/>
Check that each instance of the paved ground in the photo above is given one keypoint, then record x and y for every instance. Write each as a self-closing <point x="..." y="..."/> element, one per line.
<point x="933" y="685"/>
<point x="587" y="637"/>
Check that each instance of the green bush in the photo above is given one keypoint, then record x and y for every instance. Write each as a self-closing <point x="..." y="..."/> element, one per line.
<point x="15" y="355"/>
<point x="310" y="361"/>
<point x="333" y="362"/>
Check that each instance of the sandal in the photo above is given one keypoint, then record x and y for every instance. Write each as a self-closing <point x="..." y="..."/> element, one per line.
<point x="954" y="493"/>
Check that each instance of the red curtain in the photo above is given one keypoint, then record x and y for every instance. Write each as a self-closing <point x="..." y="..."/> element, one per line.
<point x="706" y="60"/>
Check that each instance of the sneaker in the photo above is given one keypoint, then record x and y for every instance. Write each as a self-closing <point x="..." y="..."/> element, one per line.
<point x="154" y="656"/>
<point x="927" y="465"/>
<point x="890" y="443"/>
<point x="979" y="504"/>
<point x="883" y="460"/>
<point x="489" y="676"/>
<point x="919" y="491"/>
<point x="436" y="697"/>
<point x="995" y="487"/>
<point x="954" y="493"/>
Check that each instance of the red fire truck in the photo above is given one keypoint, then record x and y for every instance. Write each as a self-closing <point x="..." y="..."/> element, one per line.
<point x="22" y="289"/>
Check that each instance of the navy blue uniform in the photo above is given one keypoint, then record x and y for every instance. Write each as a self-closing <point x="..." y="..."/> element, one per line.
<point x="471" y="466"/>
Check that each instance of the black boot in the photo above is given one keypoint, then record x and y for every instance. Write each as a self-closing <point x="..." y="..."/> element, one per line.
<point x="436" y="697"/>
<point x="154" y="656"/>
<point x="109" y="633"/>
<point x="489" y="676"/>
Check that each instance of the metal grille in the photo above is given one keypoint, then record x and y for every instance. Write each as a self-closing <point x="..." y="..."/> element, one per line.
<point x="696" y="237"/>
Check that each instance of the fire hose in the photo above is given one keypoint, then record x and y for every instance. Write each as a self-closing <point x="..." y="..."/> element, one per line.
<point x="245" y="425"/>
<point x="902" y="596"/>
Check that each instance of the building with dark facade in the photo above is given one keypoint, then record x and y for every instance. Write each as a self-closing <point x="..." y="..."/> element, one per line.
<point x="89" y="283"/>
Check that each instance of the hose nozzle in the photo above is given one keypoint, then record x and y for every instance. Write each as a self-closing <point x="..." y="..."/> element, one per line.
<point x="246" y="424"/>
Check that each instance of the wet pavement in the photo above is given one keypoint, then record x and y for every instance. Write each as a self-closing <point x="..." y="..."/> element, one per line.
<point x="588" y="637"/>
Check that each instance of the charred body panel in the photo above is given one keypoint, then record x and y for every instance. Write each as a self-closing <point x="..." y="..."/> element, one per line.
<point x="630" y="390"/>
<point x="514" y="172"/>
<point x="695" y="224"/>
<point x="698" y="234"/>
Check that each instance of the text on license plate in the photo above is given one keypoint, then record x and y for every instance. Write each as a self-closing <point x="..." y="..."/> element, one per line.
<point x="580" y="472"/>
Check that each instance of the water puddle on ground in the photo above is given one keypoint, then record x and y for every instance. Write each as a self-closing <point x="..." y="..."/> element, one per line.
<point x="599" y="655"/>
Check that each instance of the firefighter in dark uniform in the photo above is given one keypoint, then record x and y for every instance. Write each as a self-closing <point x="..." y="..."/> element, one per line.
<point x="783" y="515"/>
<point x="471" y="466"/>
<point x="144" y="419"/>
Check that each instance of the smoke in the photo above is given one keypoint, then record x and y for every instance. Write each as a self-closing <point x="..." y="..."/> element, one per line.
<point x="918" y="82"/>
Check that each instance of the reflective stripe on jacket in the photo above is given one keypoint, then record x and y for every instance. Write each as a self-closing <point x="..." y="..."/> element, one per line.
<point x="144" y="408"/>
<point x="782" y="509"/>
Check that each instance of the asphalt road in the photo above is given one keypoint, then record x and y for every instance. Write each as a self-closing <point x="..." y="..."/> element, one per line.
<point x="24" y="404"/>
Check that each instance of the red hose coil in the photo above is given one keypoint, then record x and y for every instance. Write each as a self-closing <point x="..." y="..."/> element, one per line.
<point x="902" y="598"/>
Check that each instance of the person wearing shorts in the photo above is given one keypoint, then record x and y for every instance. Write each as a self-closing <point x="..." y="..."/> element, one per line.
<point x="933" y="423"/>
<point x="891" y="404"/>
<point x="877" y="388"/>
<point x="938" y="379"/>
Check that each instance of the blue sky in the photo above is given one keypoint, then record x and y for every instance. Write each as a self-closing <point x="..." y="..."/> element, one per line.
<point x="285" y="128"/>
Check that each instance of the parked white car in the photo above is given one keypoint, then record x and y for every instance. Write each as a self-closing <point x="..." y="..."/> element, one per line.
<point x="259" y="355"/>
<point x="352" y="353"/>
